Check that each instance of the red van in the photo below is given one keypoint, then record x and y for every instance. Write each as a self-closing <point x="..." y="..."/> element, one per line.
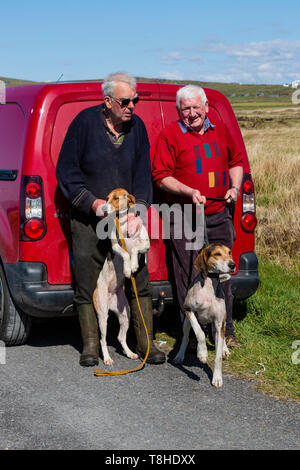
<point x="35" y="254"/>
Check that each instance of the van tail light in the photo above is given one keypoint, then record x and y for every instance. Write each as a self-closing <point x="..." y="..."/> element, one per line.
<point x="248" y="220"/>
<point x="32" y="210"/>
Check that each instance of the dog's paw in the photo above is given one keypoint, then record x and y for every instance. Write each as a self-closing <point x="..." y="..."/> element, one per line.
<point x="226" y="351"/>
<point x="178" y="359"/>
<point x="109" y="361"/>
<point x="202" y="354"/>
<point x="127" y="271"/>
<point x="203" y="358"/>
<point x="217" y="381"/>
<point x="133" y="356"/>
<point x="134" y="266"/>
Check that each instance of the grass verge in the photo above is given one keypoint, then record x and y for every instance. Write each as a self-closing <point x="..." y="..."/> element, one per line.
<point x="267" y="325"/>
<point x="268" y="332"/>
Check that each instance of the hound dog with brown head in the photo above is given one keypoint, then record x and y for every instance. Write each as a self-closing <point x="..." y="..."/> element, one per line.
<point x="110" y="291"/>
<point x="205" y="303"/>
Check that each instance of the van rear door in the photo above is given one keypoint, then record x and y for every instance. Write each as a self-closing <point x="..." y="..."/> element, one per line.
<point x="12" y="137"/>
<point x="149" y="110"/>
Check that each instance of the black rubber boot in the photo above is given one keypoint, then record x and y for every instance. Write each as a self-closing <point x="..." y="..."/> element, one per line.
<point x="90" y="336"/>
<point x="155" y="355"/>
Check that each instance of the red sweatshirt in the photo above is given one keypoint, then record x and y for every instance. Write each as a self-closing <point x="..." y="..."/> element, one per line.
<point x="199" y="161"/>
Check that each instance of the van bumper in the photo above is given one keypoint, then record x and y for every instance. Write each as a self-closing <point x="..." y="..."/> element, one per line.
<point x="246" y="281"/>
<point x="31" y="292"/>
<point x="33" y="295"/>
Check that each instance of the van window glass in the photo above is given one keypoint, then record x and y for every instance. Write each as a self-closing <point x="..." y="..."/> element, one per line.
<point x="148" y="111"/>
<point x="12" y="130"/>
<point x="65" y="115"/>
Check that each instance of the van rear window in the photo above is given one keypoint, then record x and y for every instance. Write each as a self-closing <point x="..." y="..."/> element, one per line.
<point x="65" y="115"/>
<point x="12" y="134"/>
<point x="148" y="110"/>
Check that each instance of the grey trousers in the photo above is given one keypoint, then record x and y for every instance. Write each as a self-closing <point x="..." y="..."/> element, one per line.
<point x="219" y="229"/>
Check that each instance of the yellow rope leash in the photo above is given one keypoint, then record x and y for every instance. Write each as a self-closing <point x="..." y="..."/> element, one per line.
<point x="102" y="372"/>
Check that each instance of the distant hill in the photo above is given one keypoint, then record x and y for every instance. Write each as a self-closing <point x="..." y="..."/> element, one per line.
<point x="16" y="82"/>
<point x="236" y="93"/>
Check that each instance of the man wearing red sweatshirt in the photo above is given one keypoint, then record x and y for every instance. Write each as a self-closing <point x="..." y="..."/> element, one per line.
<point x="195" y="159"/>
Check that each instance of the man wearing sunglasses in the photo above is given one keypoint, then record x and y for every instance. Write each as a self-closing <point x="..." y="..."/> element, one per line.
<point x="106" y="147"/>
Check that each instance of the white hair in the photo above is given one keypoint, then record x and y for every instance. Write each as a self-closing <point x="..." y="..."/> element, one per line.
<point x="190" y="91"/>
<point x="109" y="83"/>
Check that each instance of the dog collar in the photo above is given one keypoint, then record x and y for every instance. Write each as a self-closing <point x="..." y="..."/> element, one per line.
<point x="215" y="282"/>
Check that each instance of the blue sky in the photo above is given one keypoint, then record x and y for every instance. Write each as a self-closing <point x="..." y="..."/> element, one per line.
<point x="226" y="41"/>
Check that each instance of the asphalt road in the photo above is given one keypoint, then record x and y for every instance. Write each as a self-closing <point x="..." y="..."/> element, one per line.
<point x="47" y="401"/>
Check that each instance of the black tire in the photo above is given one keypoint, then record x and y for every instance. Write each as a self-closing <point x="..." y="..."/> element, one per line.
<point x="14" y="325"/>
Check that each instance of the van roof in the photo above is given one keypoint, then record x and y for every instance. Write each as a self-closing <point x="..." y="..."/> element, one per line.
<point x="27" y="94"/>
<point x="45" y="98"/>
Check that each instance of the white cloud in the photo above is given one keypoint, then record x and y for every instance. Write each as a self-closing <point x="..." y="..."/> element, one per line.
<point x="174" y="75"/>
<point x="171" y="57"/>
<point x="254" y="62"/>
<point x="234" y="76"/>
<point x="276" y="50"/>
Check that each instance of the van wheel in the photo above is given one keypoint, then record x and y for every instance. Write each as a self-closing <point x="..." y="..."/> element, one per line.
<point x="14" y="324"/>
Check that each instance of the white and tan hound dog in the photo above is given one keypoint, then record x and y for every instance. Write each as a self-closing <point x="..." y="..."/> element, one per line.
<point x="110" y="291"/>
<point x="204" y="306"/>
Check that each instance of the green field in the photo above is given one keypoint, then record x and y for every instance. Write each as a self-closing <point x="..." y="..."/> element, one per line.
<point x="240" y="96"/>
<point x="16" y="82"/>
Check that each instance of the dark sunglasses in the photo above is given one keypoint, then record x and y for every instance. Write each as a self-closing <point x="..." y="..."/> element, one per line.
<point x="123" y="102"/>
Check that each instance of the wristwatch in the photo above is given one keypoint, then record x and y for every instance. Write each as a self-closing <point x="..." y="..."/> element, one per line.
<point x="237" y="189"/>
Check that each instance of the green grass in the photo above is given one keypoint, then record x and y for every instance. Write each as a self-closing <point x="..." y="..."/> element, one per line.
<point x="10" y="82"/>
<point x="272" y="103"/>
<point x="267" y="324"/>
<point x="267" y="332"/>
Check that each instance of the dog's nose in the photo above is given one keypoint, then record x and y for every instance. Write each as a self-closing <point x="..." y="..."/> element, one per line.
<point x="232" y="265"/>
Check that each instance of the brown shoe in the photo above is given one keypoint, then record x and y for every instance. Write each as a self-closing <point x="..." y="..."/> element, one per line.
<point x="232" y="341"/>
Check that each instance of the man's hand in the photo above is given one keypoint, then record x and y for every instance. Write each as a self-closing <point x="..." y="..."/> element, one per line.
<point x="172" y="185"/>
<point x="197" y="198"/>
<point x="134" y="224"/>
<point x="232" y="192"/>
<point x="97" y="207"/>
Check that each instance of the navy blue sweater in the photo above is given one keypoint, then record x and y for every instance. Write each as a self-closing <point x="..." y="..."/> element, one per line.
<point x="89" y="166"/>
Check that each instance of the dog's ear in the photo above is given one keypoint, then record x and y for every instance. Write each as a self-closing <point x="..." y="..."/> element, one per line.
<point x="108" y="196"/>
<point x="131" y="200"/>
<point x="201" y="262"/>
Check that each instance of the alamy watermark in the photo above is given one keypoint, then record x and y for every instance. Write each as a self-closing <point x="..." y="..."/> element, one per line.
<point x="296" y="354"/>
<point x="181" y="218"/>
<point x="296" y="97"/>
<point x="2" y="353"/>
<point x="2" y="92"/>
